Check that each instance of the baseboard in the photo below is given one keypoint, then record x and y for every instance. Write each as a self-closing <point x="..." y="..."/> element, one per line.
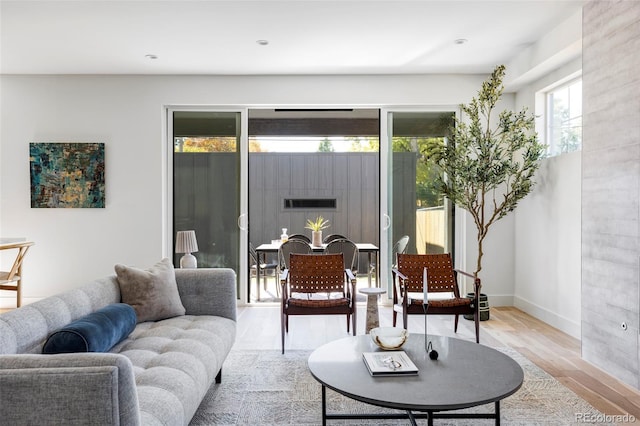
<point x="566" y="325"/>
<point x="499" y="299"/>
<point x="494" y="300"/>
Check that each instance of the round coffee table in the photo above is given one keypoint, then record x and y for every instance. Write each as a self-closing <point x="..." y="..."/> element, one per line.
<point x="466" y="374"/>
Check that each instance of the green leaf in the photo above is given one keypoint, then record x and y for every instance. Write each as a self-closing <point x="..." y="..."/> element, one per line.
<point x="488" y="169"/>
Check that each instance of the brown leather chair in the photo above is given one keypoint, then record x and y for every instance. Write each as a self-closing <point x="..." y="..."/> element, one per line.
<point x="315" y="284"/>
<point x="442" y="279"/>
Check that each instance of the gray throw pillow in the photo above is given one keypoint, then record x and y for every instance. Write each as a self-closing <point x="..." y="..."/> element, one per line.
<point x="153" y="293"/>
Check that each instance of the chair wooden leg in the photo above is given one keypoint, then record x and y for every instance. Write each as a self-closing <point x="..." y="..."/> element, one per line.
<point x="354" y="322"/>
<point x="455" y="323"/>
<point x="348" y="323"/>
<point x="405" y="319"/>
<point x="395" y="317"/>
<point x="476" y="318"/>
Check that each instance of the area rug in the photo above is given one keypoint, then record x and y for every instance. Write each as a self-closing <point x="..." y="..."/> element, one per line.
<point x="268" y="388"/>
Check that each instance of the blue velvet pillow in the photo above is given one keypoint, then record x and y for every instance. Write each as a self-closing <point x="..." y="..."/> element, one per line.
<point x="97" y="332"/>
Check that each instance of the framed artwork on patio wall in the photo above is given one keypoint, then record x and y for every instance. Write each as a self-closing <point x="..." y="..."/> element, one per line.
<point x="67" y="174"/>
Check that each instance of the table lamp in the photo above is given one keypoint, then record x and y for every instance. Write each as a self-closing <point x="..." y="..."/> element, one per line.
<point x="186" y="243"/>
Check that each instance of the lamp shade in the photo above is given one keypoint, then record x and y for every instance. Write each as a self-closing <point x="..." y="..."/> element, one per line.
<point x="186" y="242"/>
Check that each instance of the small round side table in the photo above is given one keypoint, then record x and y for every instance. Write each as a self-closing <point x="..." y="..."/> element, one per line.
<point x="372" y="306"/>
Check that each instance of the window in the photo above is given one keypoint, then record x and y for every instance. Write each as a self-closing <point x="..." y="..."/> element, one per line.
<point x="564" y="118"/>
<point x="310" y="203"/>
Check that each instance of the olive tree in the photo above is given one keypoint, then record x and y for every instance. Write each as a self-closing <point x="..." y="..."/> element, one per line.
<point x="489" y="163"/>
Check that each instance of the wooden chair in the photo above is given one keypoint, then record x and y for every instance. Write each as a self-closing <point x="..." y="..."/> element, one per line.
<point x="314" y="284"/>
<point x="442" y="283"/>
<point x="288" y="247"/>
<point x="12" y="280"/>
<point x="291" y="246"/>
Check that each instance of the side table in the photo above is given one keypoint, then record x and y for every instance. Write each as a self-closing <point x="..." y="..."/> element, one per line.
<point x="372" y="306"/>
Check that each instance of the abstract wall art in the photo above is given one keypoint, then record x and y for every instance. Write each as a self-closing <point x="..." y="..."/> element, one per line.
<point x="67" y="175"/>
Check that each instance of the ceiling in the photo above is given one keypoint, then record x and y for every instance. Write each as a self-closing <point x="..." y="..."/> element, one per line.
<point x="212" y="37"/>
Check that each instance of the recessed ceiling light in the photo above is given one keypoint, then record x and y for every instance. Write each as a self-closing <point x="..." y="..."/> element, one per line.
<point x="460" y="41"/>
<point x="151" y="56"/>
<point x="262" y="42"/>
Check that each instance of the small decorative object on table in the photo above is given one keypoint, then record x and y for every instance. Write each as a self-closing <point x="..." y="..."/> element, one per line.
<point x="396" y="363"/>
<point x="316" y="227"/>
<point x="389" y="338"/>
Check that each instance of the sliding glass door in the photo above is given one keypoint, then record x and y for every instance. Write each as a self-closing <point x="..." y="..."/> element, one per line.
<point x="306" y="163"/>
<point x="238" y="177"/>
<point x="417" y="210"/>
<point x="206" y="184"/>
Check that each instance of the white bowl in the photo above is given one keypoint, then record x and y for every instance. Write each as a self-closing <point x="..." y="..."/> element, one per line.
<point x="389" y="338"/>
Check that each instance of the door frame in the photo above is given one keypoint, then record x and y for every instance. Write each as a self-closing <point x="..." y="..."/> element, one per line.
<point x="167" y="187"/>
<point x="385" y="243"/>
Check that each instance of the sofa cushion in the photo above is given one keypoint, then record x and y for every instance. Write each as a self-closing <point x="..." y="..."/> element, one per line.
<point x="98" y="331"/>
<point x="175" y="361"/>
<point x="153" y="293"/>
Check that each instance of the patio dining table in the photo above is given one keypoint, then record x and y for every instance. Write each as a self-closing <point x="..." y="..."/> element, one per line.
<point x="371" y="250"/>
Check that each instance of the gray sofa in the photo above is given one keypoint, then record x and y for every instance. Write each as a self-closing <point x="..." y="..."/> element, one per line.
<point x="157" y="376"/>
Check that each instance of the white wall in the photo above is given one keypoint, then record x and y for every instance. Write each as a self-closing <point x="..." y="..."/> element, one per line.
<point x="547" y="232"/>
<point x="497" y="274"/>
<point x="126" y="113"/>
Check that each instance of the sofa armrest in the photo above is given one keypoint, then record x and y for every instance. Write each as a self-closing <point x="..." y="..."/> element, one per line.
<point x="208" y="291"/>
<point x="68" y="389"/>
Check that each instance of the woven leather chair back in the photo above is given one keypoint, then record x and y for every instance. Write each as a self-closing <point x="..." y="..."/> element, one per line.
<point x="316" y="273"/>
<point x="440" y="273"/>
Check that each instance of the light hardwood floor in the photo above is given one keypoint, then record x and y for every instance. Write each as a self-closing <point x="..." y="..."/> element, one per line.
<point x="555" y="352"/>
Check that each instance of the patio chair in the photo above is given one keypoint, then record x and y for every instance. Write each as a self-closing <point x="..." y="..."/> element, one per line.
<point x="400" y="247"/>
<point x="349" y="251"/>
<point x="301" y="237"/>
<point x="264" y="268"/>
<point x="332" y="237"/>
<point x="314" y="284"/>
<point x="285" y="250"/>
<point x="442" y="286"/>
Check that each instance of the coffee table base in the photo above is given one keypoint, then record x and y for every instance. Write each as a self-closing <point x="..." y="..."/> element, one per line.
<point x="429" y="415"/>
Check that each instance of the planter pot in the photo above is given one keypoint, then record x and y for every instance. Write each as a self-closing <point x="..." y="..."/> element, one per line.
<point x="484" y="307"/>
<point x="316" y="238"/>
